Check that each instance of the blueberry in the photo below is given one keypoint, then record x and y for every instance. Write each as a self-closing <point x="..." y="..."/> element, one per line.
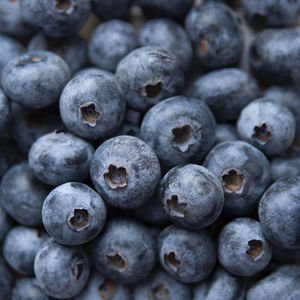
<point x="35" y="79"/>
<point x="221" y="285"/>
<point x="11" y="19"/>
<point x="129" y="129"/>
<point x="20" y="247"/>
<point x="73" y="213"/>
<point x="278" y="215"/>
<point x="285" y="167"/>
<point x="274" y="55"/>
<point x="242" y="248"/>
<point x="28" y="289"/>
<point x="62" y="272"/>
<point x="191" y="196"/>
<point x="5" y="281"/>
<point x="148" y="75"/>
<point x="216" y="33"/>
<point x="288" y="96"/>
<point x="244" y="172"/>
<point x="30" y="124"/>
<point x="57" y="18"/>
<point x="72" y="49"/>
<point x="267" y="125"/>
<point x="111" y="41"/>
<point x="226" y="133"/>
<point x="170" y="9"/>
<point x="92" y="105"/>
<point x="100" y="287"/>
<point x="162" y="286"/>
<point x="189" y="256"/>
<point x="125" y="171"/>
<point x="59" y="157"/>
<point x="94" y="71"/>
<point x="169" y="35"/>
<point x="283" y="283"/>
<point x="124" y="251"/>
<point x="22" y="195"/>
<point x="179" y="130"/>
<point x="108" y="9"/>
<point x="226" y="92"/>
<point x="5" y="113"/>
<point x="5" y="223"/>
<point x="10" y="48"/>
<point x="271" y="13"/>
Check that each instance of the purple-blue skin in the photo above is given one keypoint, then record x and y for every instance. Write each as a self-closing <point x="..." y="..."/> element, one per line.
<point x="59" y="18"/>
<point x="5" y="281"/>
<point x="267" y="125"/>
<point x="271" y="13"/>
<point x="191" y="196"/>
<point x="160" y="285"/>
<point x="108" y="9"/>
<point x="11" y="19"/>
<point x="72" y="49"/>
<point x="111" y="41"/>
<point x="125" y="171"/>
<point x="275" y="55"/>
<point x="226" y="92"/>
<point x="5" y="223"/>
<point x="244" y="172"/>
<point x="10" y="48"/>
<point x="221" y="285"/>
<point x="188" y="256"/>
<point x="226" y="133"/>
<point x="100" y="287"/>
<point x="60" y="157"/>
<point x="22" y="195"/>
<point x="285" y="167"/>
<point x="278" y="212"/>
<point x="125" y="251"/>
<point x="5" y="113"/>
<point x="20" y="247"/>
<point x="94" y="71"/>
<point x="73" y="213"/>
<point x="148" y="75"/>
<point x="169" y="35"/>
<point x="179" y="130"/>
<point x="92" y="105"/>
<point x="129" y="129"/>
<point x="288" y="96"/>
<point x="243" y="250"/>
<point x="30" y="124"/>
<point x="283" y="283"/>
<point x="35" y="79"/>
<point x="170" y="9"/>
<point x="28" y="289"/>
<point x="62" y="272"/>
<point x="216" y="34"/>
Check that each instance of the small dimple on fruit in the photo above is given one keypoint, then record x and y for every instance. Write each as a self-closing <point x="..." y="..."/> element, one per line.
<point x="255" y="248"/>
<point x="89" y="113"/>
<point x="63" y="5"/>
<point x="233" y="181"/>
<point x="175" y="206"/>
<point x="262" y="133"/>
<point x="77" y="271"/>
<point x="107" y="289"/>
<point x="183" y="138"/>
<point x="116" y="261"/>
<point x="160" y="292"/>
<point x="80" y="218"/>
<point x="204" y="46"/>
<point x="116" y="177"/>
<point x="153" y="90"/>
<point x="172" y="261"/>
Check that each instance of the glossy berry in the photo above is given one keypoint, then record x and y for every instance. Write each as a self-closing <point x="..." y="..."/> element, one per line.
<point x="107" y="9"/>
<point x="125" y="171"/>
<point x="73" y="213"/>
<point x="242" y="248"/>
<point x="59" y="157"/>
<point x="124" y="251"/>
<point x="5" y="113"/>
<point x="285" y="167"/>
<point x="226" y="133"/>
